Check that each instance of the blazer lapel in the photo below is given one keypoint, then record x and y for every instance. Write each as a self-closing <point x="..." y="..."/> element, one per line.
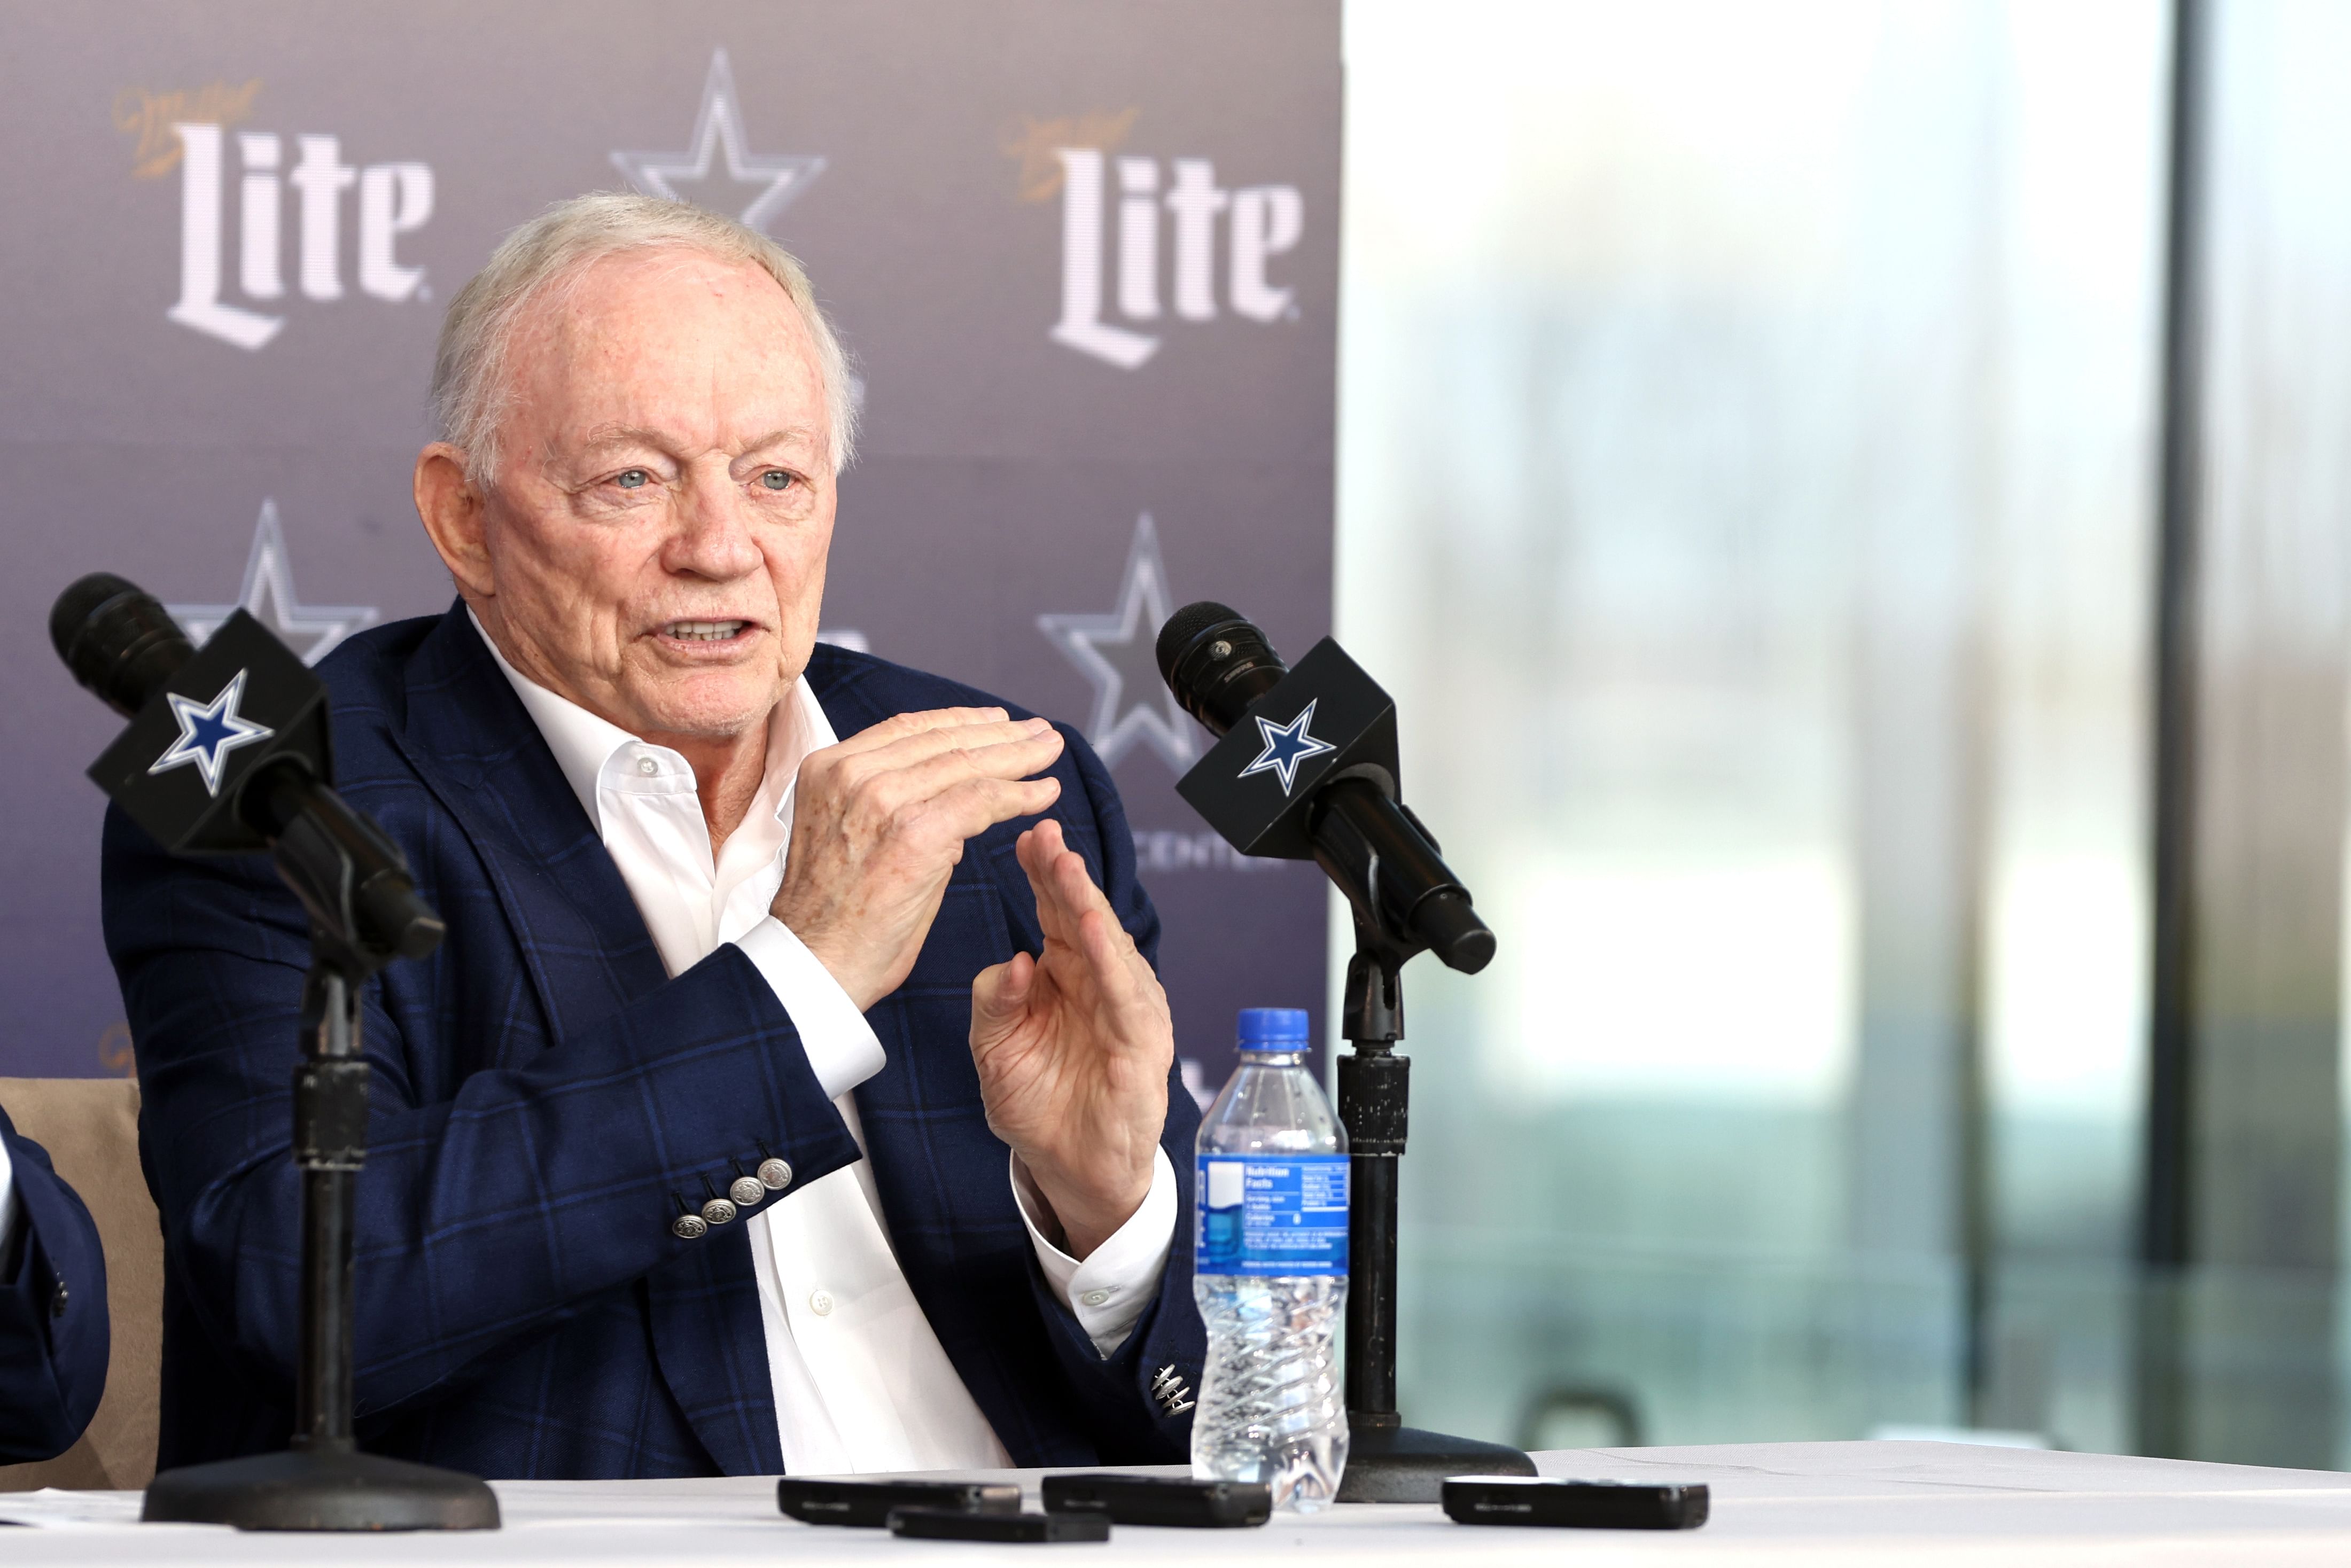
<point x="587" y="954"/>
<point x="468" y="737"/>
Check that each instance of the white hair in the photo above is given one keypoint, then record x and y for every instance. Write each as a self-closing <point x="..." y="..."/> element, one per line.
<point x="469" y="391"/>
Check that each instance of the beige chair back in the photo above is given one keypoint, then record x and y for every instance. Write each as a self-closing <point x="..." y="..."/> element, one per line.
<point x="90" y="1128"/>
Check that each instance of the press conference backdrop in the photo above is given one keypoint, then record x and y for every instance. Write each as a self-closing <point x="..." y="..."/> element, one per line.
<point x="1086" y="258"/>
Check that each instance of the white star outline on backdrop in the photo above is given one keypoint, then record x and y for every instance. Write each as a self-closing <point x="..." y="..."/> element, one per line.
<point x="268" y="596"/>
<point x="1286" y="746"/>
<point x="209" y="732"/>
<point x="1119" y="721"/>
<point x="720" y="121"/>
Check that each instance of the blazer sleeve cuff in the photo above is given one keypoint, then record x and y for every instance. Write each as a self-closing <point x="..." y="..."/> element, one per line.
<point x="842" y="1048"/>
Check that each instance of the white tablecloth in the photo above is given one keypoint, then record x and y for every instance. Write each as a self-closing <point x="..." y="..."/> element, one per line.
<point x="1904" y="1503"/>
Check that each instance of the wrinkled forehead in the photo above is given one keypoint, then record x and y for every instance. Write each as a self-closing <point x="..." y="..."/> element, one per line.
<point x="670" y="339"/>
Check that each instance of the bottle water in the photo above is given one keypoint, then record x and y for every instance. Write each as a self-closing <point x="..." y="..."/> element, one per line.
<point x="1271" y="1272"/>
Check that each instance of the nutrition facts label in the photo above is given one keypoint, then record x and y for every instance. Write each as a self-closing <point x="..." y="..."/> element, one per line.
<point x="1272" y="1215"/>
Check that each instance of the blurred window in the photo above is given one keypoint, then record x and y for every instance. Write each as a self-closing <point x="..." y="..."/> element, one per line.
<point x="1744" y="490"/>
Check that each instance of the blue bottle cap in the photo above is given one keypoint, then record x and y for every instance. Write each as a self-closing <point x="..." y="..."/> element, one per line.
<point x="1273" y="1028"/>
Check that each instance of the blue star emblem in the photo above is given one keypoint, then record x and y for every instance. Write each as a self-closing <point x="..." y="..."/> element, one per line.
<point x="209" y="732"/>
<point x="1287" y="746"/>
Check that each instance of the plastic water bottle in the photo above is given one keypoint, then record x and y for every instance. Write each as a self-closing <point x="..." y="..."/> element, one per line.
<point x="1271" y="1272"/>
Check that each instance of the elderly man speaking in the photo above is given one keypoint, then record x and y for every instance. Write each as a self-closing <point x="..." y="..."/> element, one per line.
<point x="793" y="1092"/>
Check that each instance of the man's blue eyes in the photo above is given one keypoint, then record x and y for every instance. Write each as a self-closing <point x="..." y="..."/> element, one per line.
<point x="637" y="479"/>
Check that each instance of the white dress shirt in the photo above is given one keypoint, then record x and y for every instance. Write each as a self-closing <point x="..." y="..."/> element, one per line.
<point x="860" y="1380"/>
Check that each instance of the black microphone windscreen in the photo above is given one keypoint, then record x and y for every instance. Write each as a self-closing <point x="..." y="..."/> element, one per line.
<point x="74" y="605"/>
<point x="117" y="640"/>
<point x="1217" y="663"/>
<point x="1185" y="624"/>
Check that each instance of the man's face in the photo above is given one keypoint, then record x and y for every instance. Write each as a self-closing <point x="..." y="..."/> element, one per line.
<point x="657" y="527"/>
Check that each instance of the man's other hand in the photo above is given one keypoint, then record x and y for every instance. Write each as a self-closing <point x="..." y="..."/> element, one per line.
<point x="878" y="823"/>
<point x="1073" y="1049"/>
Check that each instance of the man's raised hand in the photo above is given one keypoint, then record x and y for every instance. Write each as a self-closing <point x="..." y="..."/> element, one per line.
<point x="1073" y="1048"/>
<point x="878" y="823"/>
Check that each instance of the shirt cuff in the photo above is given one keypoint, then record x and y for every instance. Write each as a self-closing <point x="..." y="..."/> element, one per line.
<point x="1109" y="1290"/>
<point x="842" y="1048"/>
<point x="7" y="1200"/>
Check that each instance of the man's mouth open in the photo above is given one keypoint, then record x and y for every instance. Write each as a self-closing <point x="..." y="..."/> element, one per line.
<point x="707" y="634"/>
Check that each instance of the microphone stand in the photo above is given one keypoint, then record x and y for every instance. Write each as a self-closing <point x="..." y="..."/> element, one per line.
<point x="1351" y="822"/>
<point x="360" y="922"/>
<point x="1387" y="1461"/>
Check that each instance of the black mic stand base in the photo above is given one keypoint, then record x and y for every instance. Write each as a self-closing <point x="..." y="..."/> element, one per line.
<point x="300" y="1489"/>
<point x="1404" y="1464"/>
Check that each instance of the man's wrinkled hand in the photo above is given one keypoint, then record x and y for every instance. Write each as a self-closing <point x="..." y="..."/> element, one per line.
<point x="1073" y="1048"/>
<point x="878" y="823"/>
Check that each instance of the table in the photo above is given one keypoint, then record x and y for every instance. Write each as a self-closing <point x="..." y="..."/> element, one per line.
<point x="1930" y="1503"/>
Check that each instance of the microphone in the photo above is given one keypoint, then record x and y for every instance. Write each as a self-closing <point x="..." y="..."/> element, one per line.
<point x="227" y="752"/>
<point x="1306" y="769"/>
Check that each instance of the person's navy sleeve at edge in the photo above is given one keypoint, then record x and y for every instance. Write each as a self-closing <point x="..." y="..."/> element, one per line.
<point x="53" y="1322"/>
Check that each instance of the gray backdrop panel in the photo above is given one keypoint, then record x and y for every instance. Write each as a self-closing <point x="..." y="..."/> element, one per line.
<point x="1006" y="473"/>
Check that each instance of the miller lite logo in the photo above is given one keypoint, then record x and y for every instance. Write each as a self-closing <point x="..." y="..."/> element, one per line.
<point x="390" y="199"/>
<point x="1177" y="230"/>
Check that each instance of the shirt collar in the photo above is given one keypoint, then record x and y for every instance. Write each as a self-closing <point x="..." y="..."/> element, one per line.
<point x="584" y="744"/>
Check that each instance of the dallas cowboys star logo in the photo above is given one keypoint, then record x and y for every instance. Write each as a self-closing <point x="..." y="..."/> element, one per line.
<point x="1115" y="651"/>
<point x="209" y="732"/>
<point x="268" y="596"/>
<point x="781" y="177"/>
<point x="1286" y="746"/>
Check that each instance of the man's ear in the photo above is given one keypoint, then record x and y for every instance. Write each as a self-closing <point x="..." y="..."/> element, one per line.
<point x="456" y="519"/>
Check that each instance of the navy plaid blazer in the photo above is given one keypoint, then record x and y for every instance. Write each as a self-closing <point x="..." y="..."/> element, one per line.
<point x="53" y="1325"/>
<point x="544" y="1094"/>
